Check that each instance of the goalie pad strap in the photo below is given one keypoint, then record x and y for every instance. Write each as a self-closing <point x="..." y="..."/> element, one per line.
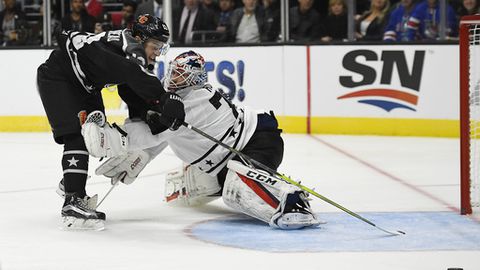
<point x="120" y="129"/>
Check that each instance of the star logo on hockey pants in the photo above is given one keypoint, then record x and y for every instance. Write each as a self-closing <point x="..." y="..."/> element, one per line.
<point x="72" y="162"/>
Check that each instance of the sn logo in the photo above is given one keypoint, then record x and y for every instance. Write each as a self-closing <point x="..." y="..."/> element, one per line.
<point x="408" y="78"/>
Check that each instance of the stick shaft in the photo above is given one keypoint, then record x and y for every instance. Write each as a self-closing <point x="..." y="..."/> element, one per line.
<point x="110" y="190"/>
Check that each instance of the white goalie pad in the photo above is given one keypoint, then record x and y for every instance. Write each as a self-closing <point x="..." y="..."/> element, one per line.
<point x="189" y="186"/>
<point x="259" y="195"/>
<point x="101" y="139"/>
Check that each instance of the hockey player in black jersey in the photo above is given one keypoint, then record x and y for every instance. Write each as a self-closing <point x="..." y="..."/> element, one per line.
<point x="69" y="84"/>
<point x="212" y="171"/>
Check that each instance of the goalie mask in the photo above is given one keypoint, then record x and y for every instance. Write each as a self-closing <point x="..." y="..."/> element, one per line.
<point x="186" y="70"/>
<point x="150" y="27"/>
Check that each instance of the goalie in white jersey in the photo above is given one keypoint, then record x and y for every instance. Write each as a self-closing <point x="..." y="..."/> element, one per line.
<point x="212" y="170"/>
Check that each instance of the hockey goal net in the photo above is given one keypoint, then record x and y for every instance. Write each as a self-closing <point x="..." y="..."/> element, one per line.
<point x="470" y="113"/>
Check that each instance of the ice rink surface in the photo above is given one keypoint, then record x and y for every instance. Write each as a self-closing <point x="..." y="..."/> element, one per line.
<point x="400" y="183"/>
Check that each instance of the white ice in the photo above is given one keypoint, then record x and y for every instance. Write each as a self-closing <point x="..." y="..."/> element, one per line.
<point x="363" y="173"/>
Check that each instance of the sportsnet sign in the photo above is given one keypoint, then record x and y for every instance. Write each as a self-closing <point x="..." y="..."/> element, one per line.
<point x="375" y="87"/>
<point x="385" y="81"/>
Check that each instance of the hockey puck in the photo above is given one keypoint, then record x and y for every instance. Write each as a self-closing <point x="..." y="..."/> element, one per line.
<point x="455" y="268"/>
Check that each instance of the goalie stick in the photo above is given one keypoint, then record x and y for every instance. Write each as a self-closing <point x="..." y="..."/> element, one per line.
<point x="287" y="179"/>
<point x="114" y="184"/>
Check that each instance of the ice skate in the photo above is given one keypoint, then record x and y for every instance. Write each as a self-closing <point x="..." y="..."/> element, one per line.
<point x="61" y="189"/>
<point x="295" y="213"/>
<point x="80" y="213"/>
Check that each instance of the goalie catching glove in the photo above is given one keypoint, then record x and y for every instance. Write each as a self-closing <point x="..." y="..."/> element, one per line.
<point x="101" y="139"/>
<point x="124" y="168"/>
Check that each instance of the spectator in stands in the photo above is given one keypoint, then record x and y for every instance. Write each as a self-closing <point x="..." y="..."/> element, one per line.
<point x="78" y="19"/>
<point x="335" y="25"/>
<point x="211" y="5"/>
<point x="36" y="37"/>
<point x="371" y="25"/>
<point x="14" y="28"/>
<point x="425" y="19"/>
<point x="244" y="23"/>
<point x="126" y="17"/>
<point x="304" y="21"/>
<point x="362" y="6"/>
<point x="468" y="7"/>
<point x="226" y="10"/>
<point x="271" y="26"/>
<point x="94" y="8"/>
<point x="247" y="24"/>
<point x="153" y="7"/>
<point x="192" y="17"/>
<point x="396" y="29"/>
<point x="104" y="23"/>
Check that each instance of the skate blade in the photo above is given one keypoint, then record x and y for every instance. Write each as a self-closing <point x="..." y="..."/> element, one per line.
<point x="80" y="224"/>
<point x="293" y="221"/>
<point x="60" y="192"/>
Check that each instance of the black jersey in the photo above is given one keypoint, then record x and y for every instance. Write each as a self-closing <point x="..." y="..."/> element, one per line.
<point x="112" y="57"/>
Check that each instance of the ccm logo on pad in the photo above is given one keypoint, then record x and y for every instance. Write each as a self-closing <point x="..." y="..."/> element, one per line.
<point x="261" y="177"/>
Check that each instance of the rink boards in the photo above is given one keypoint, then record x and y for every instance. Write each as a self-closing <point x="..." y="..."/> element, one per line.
<point x="333" y="89"/>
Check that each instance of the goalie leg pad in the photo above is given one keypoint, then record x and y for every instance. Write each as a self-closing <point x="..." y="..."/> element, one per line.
<point x="189" y="186"/>
<point x="257" y="194"/>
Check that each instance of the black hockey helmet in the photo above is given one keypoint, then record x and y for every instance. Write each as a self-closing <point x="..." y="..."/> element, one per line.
<point x="147" y="26"/>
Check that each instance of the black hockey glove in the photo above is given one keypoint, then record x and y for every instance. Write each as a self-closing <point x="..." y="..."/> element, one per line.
<point x="155" y="122"/>
<point x="170" y="114"/>
<point x="173" y="110"/>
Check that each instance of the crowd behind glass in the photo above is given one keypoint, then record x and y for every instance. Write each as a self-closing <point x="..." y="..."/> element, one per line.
<point x="243" y="21"/>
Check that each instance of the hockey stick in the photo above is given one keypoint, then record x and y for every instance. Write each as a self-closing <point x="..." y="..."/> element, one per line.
<point x="287" y="179"/>
<point x="114" y="184"/>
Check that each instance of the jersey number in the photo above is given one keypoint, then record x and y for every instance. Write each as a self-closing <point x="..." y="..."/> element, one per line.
<point x="215" y="101"/>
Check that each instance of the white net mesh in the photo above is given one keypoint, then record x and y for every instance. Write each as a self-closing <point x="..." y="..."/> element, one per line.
<point x="474" y="101"/>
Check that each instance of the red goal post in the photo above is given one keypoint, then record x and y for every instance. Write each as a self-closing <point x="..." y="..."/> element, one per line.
<point x="469" y="113"/>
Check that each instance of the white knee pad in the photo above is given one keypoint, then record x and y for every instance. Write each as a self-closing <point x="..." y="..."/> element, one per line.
<point x="189" y="186"/>
<point x="254" y="192"/>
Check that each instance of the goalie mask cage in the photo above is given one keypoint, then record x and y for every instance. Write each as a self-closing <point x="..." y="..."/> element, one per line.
<point x="470" y="113"/>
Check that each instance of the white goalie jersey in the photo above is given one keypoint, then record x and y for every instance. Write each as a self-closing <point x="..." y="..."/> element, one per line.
<point x="207" y="110"/>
